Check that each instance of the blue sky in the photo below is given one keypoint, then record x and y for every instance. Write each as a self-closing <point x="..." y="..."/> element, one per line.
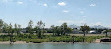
<point x="55" y="12"/>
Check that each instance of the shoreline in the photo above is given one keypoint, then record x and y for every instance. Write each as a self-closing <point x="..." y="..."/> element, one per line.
<point x="24" y="42"/>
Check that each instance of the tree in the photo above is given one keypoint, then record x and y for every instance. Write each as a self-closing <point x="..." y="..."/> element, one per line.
<point x="65" y="29"/>
<point x="1" y="25"/>
<point x="69" y="30"/>
<point x="5" y="28"/>
<point x="53" y="29"/>
<point x="85" y="30"/>
<point x="10" y="31"/>
<point x="29" y="28"/>
<point x="58" y="30"/>
<point x="40" y="28"/>
<point x="10" y="28"/>
<point x="19" y="28"/>
<point x="16" y="29"/>
<point x="61" y="30"/>
<point x="106" y="34"/>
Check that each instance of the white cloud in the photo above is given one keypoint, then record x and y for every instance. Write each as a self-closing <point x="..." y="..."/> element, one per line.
<point x="62" y="3"/>
<point x="19" y="2"/>
<point x="65" y="11"/>
<point x="92" y="5"/>
<point x="45" y="5"/>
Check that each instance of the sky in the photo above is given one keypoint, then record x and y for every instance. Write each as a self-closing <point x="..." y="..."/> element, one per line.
<point x="56" y="12"/>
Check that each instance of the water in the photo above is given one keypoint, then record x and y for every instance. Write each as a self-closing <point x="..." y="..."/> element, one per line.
<point x="57" y="46"/>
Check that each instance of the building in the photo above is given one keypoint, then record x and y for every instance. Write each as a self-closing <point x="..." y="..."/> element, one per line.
<point x="92" y="32"/>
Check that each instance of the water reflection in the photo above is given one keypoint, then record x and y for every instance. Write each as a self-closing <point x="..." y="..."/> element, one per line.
<point x="57" y="46"/>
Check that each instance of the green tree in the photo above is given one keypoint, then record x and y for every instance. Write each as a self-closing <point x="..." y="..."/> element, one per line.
<point x="5" y="28"/>
<point x="15" y="29"/>
<point x="58" y="30"/>
<point x="106" y="34"/>
<point x="10" y="31"/>
<point x="29" y="28"/>
<point x="65" y="29"/>
<point x="40" y="28"/>
<point x="19" y="29"/>
<point x="53" y="29"/>
<point x="85" y="30"/>
<point x="69" y="30"/>
<point x="1" y="25"/>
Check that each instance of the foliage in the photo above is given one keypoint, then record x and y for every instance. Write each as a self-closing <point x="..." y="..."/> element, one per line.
<point x="29" y="28"/>
<point x="36" y="34"/>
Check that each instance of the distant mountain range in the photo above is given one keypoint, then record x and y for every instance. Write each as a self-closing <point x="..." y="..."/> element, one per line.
<point x="95" y="26"/>
<point x="74" y="26"/>
<point x="98" y="26"/>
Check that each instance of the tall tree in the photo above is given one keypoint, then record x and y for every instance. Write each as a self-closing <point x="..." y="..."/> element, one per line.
<point x="58" y="30"/>
<point x="19" y="28"/>
<point x="29" y="28"/>
<point x="40" y="26"/>
<point x="1" y="25"/>
<point x="5" y="28"/>
<point x="65" y="29"/>
<point x="10" y="31"/>
<point x="53" y="29"/>
<point x="106" y="34"/>
<point x="15" y="30"/>
<point x="85" y="30"/>
<point x="10" y="28"/>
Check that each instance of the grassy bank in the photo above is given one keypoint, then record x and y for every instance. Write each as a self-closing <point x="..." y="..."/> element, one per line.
<point x="48" y="38"/>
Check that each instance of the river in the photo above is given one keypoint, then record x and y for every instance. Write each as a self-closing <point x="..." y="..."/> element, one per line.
<point x="57" y="46"/>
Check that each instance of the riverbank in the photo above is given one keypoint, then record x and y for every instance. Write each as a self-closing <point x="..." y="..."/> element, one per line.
<point x="24" y="42"/>
<point x="25" y="38"/>
<point x="8" y="42"/>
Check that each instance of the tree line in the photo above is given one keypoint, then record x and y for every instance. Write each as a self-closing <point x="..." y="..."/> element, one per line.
<point x="39" y="29"/>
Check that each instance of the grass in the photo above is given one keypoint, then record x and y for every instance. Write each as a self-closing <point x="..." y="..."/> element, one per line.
<point x="48" y="38"/>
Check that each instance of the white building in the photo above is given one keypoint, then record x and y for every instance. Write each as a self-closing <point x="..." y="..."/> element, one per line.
<point x="92" y="32"/>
